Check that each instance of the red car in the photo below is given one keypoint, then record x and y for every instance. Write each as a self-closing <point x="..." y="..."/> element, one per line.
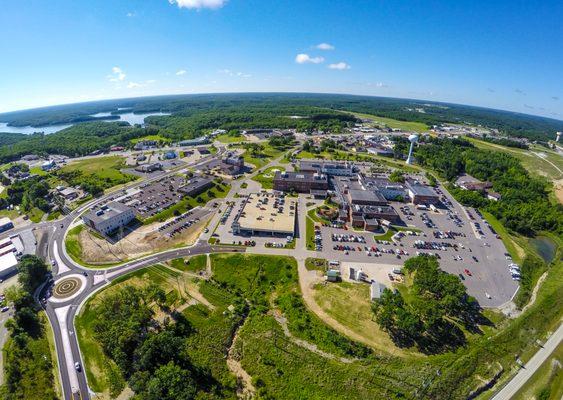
<point x="468" y="272"/>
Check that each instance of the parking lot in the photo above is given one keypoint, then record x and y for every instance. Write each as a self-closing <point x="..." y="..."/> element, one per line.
<point x="183" y="221"/>
<point x="462" y="240"/>
<point x="154" y="197"/>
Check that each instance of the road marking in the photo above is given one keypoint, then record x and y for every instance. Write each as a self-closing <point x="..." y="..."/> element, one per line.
<point x="67" y="348"/>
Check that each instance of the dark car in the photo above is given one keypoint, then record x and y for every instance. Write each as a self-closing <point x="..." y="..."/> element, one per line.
<point x="461" y="277"/>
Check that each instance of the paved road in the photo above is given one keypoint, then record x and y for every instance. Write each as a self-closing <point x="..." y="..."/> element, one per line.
<point x="531" y="367"/>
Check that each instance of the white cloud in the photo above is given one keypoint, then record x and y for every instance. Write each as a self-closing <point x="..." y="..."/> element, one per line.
<point x="199" y="4"/>
<point x="136" y="85"/>
<point x="306" y="59"/>
<point x="182" y="72"/>
<point x="131" y="14"/>
<point x="232" y="73"/>
<point x="339" y="66"/>
<point x="324" y="46"/>
<point x="117" y="75"/>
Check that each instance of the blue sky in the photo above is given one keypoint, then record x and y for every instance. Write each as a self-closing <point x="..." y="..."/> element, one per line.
<point x="500" y="54"/>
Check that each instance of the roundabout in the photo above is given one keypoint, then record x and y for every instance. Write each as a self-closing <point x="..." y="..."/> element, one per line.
<point x="67" y="288"/>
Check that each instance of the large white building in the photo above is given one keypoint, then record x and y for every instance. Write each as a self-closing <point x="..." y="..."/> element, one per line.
<point x="109" y="218"/>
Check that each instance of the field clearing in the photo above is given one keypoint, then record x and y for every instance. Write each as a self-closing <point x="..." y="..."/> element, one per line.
<point x="349" y="304"/>
<point x="395" y="123"/>
<point x="157" y="138"/>
<point x="226" y="138"/>
<point x="103" y="167"/>
<point x="262" y="157"/>
<point x="539" y="161"/>
<point x="90" y="249"/>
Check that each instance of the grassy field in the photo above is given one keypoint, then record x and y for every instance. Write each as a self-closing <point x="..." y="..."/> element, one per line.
<point x="103" y="167"/>
<point x="157" y="138"/>
<point x="266" y="177"/>
<point x="38" y="171"/>
<point x="190" y="264"/>
<point x="537" y="160"/>
<point x="395" y="124"/>
<point x="263" y="157"/>
<point x="337" y="300"/>
<point x="547" y="381"/>
<point x="226" y="138"/>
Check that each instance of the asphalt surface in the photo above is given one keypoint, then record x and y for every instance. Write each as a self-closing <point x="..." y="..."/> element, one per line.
<point x="507" y="392"/>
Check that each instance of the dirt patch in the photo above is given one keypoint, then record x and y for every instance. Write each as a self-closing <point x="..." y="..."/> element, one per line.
<point x="558" y="188"/>
<point x="246" y="390"/>
<point x="141" y="241"/>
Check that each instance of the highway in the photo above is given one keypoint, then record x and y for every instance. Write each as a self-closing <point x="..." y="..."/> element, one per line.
<point x="526" y="372"/>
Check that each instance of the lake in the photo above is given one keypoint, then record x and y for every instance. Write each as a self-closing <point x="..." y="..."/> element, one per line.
<point x="28" y="130"/>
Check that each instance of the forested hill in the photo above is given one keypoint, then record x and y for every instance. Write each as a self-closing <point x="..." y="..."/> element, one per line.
<point x="514" y="124"/>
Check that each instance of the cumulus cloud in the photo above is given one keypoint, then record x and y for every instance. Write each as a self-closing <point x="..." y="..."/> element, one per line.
<point x="198" y="4"/>
<point x="117" y="75"/>
<point x="306" y="59"/>
<point x="341" y="66"/>
<point x="181" y="72"/>
<point x="324" y="46"/>
<point x="131" y="14"/>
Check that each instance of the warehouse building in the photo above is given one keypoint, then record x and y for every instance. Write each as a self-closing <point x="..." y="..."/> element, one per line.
<point x="422" y="194"/>
<point x="195" y="186"/>
<point x="109" y="218"/>
<point x="300" y="182"/>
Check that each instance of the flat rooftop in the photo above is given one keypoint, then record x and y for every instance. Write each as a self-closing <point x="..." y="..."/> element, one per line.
<point x="300" y="176"/>
<point x="266" y="212"/>
<point x="421" y="190"/>
<point x="106" y="212"/>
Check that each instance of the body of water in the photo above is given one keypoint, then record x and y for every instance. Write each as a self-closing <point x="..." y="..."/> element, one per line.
<point x="28" y="130"/>
<point x="545" y="247"/>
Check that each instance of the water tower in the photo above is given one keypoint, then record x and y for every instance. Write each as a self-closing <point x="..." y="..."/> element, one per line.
<point x="413" y="139"/>
<point x="558" y="136"/>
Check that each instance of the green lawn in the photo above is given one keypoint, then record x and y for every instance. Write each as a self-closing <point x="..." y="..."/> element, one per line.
<point x="157" y="138"/>
<point x="395" y="124"/>
<point x="266" y="177"/>
<point x="103" y="167"/>
<point x="226" y="138"/>
<point x="38" y="171"/>
<point x="263" y="157"/>
<point x="190" y="264"/>
<point x="531" y="159"/>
